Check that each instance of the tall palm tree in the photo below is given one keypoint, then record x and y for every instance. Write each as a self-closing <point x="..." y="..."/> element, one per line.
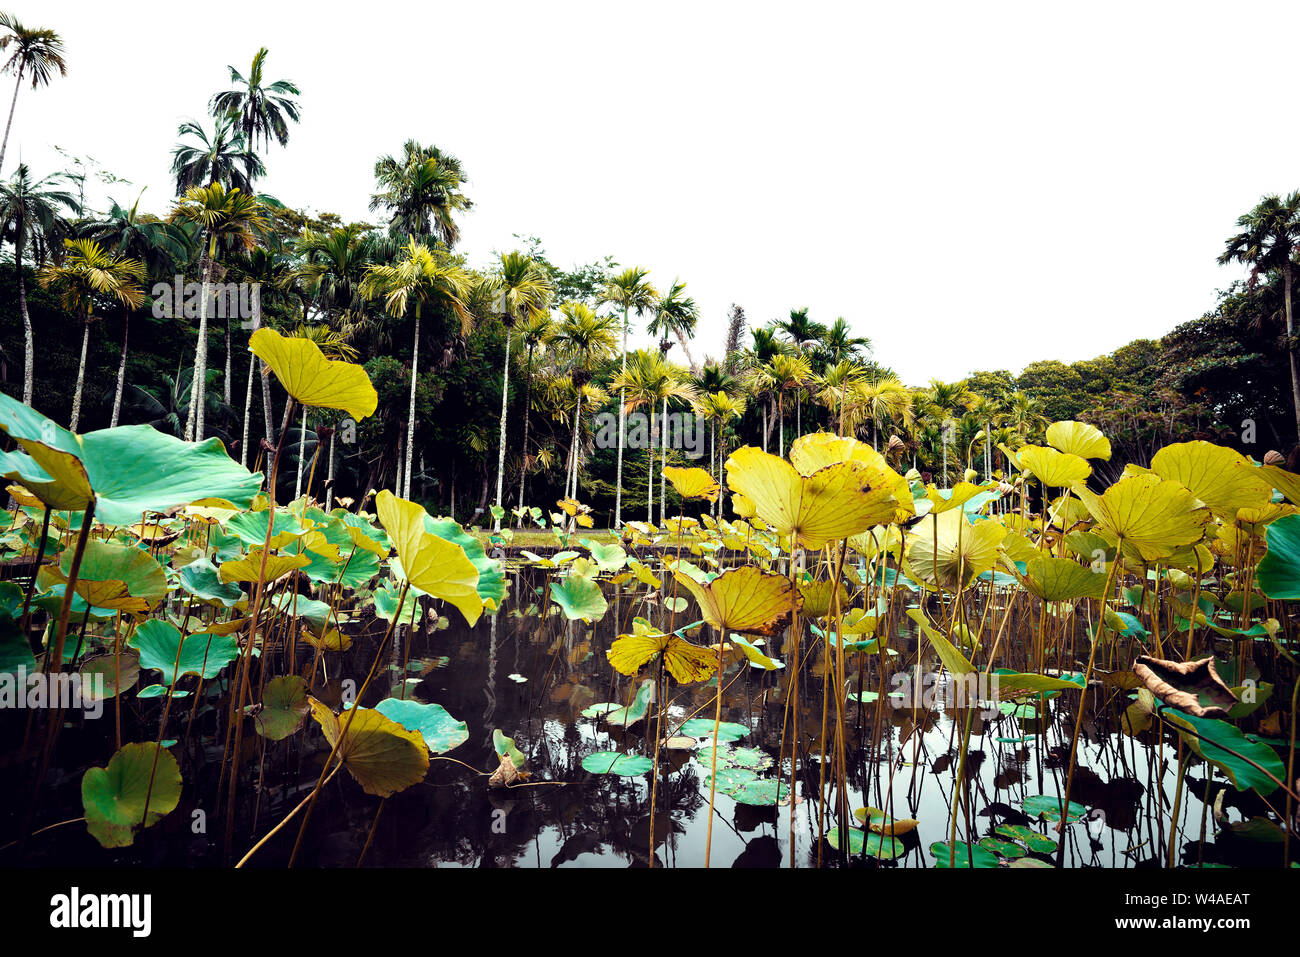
<point x="785" y="373"/>
<point x="645" y="382"/>
<point x="839" y="343"/>
<point x="418" y="278"/>
<point x="675" y="315"/>
<point x="1025" y="415"/>
<point x="756" y="365"/>
<point x="719" y="407"/>
<point x="943" y="399"/>
<point x="421" y="191"/>
<point x="333" y="346"/>
<point x="836" y="389"/>
<point x="264" y="109"/>
<point x="535" y="331"/>
<point x="583" y="340"/>
<point x="628" y="290"/>
<point x="1267" y="242"/>
<point x="522" y="287"/>
<point x="806" y="336"/>
<point x="226" y="218"/>
<point x="88" y="271"/>
<point x="272" y="271"/>
<point x="225" y="157"/>
<point x="883" y="401"/>
<point x="30" y="217"/>
<point x="37" y="52"/>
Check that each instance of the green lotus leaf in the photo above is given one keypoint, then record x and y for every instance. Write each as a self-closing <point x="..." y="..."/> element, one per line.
<point x="201" y="579"/>
<point x="506" y="746"/>
<point x="623" y="717"/>
<point x="441" y="732"/>
<point x="967" y="855"/>
<point x="1027" y="836"/>
<point x="161" y="648"/>
<point x="1279" y="571"/>
<point x="579" y="598"/>
<point x="284" y="705"/>
<point x="616" y="762"/>
<point x="731" y="780"/>
<point x="764" y="793"/>
<point x="491" y="576"/>
<point x="115" y="796"/>
<point x="113" y="676"/>
<point x="703" y="728"/>
<point x="1049" y="808"/>
<point x="1216" y="744"/>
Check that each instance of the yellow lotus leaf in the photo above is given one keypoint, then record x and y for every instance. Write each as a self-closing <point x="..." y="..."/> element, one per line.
<point x="813" y="452"/>
<point x="209" y="513"/>
<point x="1059" y="579"/>
<point x="1154" y="516"/>
<point x="643" y="574"/>
<point x="817" y="597"/>
<point x="331" y="640"/>
<point x="1067" y="512"/>
<point x="949" y="550"/>
<point x="876" y="541"/>
<point x="958" y="495"/>
<point x="1255" y="520"/>
<point x="1288" y="483"/>
<point x="692" y="483"/>
<point x="249" y="568"/>
<point x="383" y="756"/>
<point x="745" y="599"/>
<point x="431" y="564"/>
<point x="1212" y="473"/>
<point x="742" y="506"/>
<point x="313" y="379"/>
<point x="23" y="497"/>
<point x="362" y="540"/>
<point x="1079" y="438"/>
<point x="1012" y="456"/>
<point x="222" y="627"/>
<point x="585" y="521"/>
<point x="687" y="663"/>
<point x="834" y="502"/>
<point x="1057" y="469"/>
<point x="1018" y="548"/>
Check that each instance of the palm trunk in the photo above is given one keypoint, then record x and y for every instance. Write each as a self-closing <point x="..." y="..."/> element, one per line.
<point x="663" y="463"/>
<point x="501" y="442"/>
<point x="29" y="345"/>
<point x="410" y="419"/>
<point x="780" y="405"/>
<point x="650" y="487"/>
<point x="198" y="382"/>
<point x="81" y="373"/>
<point x="329" y="478"/>
<point x="121" y="368"/>
<point x="302" y="445"/>
<point x="1290" y="349"/>
<point x="248" y="404"/>
<point x="690" y="360"/>
<point x="225" y="385"/>
<point x="528" y="400"/>
<point x="622" y="421"/>
<point x="266" y="402"/>
<point x="798" y="413"/>
<point x="12" y="105"/>
<point x="573" y="451"/>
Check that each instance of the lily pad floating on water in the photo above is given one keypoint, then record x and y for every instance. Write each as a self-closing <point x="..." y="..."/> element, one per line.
<point x="114" y="797"/>
<point x="1027" y="836"/>
<point x="600" y="709"/>
<point x="441" y="732"/>
<point x="764" y="793"/>
<point x="1004" y="849"/>
<point x="1048" y="808"/>
<point x="703" y="728"/>
<point x="730" y="780"/>
<point x="616" y="762"/>
<point x="966" y="856"/>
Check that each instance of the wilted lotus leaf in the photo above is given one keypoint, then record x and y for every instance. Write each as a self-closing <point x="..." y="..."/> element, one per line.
<point x="118" y="674"/>
<point x="284" y="705"/>
<point x="313" y="379"/>
<point x="1279" y="571"/>
<point x="834" y="502"/>
<point x="686" y="662"/>
<point x="745" y="599"/>
<point x="1214" y="475"/>
<point x="1192" y="686"/>
<point x="1053" y="468"/>
<point x="1078" y="438"/>
<point x="579" y="598"/>
<point x="1154" y="516"/>
<point x="114" y="797"/>
<point x="127" y="470"/>
<point x="1059" y="579"/>
<point x="381" y="755"/>
<point x="432" y="564"/>
<point x="955" y="551"/>
<point x="249" y="568"/>
<point x="643" y="574"/>
<point x="743" y="507"/>
<point x="330" y="639"/>
<point x="441" y="732"/>
<point x="692" y="483"/>
<point x="161" y="648"/>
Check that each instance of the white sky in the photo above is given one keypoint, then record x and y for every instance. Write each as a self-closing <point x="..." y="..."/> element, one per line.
<point x="970" y="185"/>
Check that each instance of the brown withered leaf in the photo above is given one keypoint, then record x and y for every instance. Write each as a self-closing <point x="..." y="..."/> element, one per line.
<point x="506" y="774"/>
<point x="1191" y="686"/>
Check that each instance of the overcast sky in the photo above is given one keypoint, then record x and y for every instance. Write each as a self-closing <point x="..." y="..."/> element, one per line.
<point x="972" y="186"/>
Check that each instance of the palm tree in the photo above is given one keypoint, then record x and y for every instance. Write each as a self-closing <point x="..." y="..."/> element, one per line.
<point x="1025" y="415"/>
<point x="536" y="331"/>
<point x="88" y="271"/>
<point x="1267" y="242"/>
<point x="782" y="374"/>
<point x="271" y="271"/>
<point x="942" y="400"/>
<point x="333" y="346"/>
<point x="582" y="340"/>
<point x="756" y="363"/>
<point x="227" y="218"/>
<point x="420" y="189"/>
<point x="224" y="157"/>
<point x="37" y="53"/>
<point x="719" y="407"/>
<point x="884" y="401"/>
<point x="806" y="336"/>
<point x="263" y="109"/>
<point x="836" y="389"/>
<point x="676" y="315"/>
<point x="29" y="215"/>
<point x="629" y="290"/>
<point x="417" y="279"/>
<point x="839" y="343"/>
<point x="646" y="382"/>
<point x="522" y="287"/>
